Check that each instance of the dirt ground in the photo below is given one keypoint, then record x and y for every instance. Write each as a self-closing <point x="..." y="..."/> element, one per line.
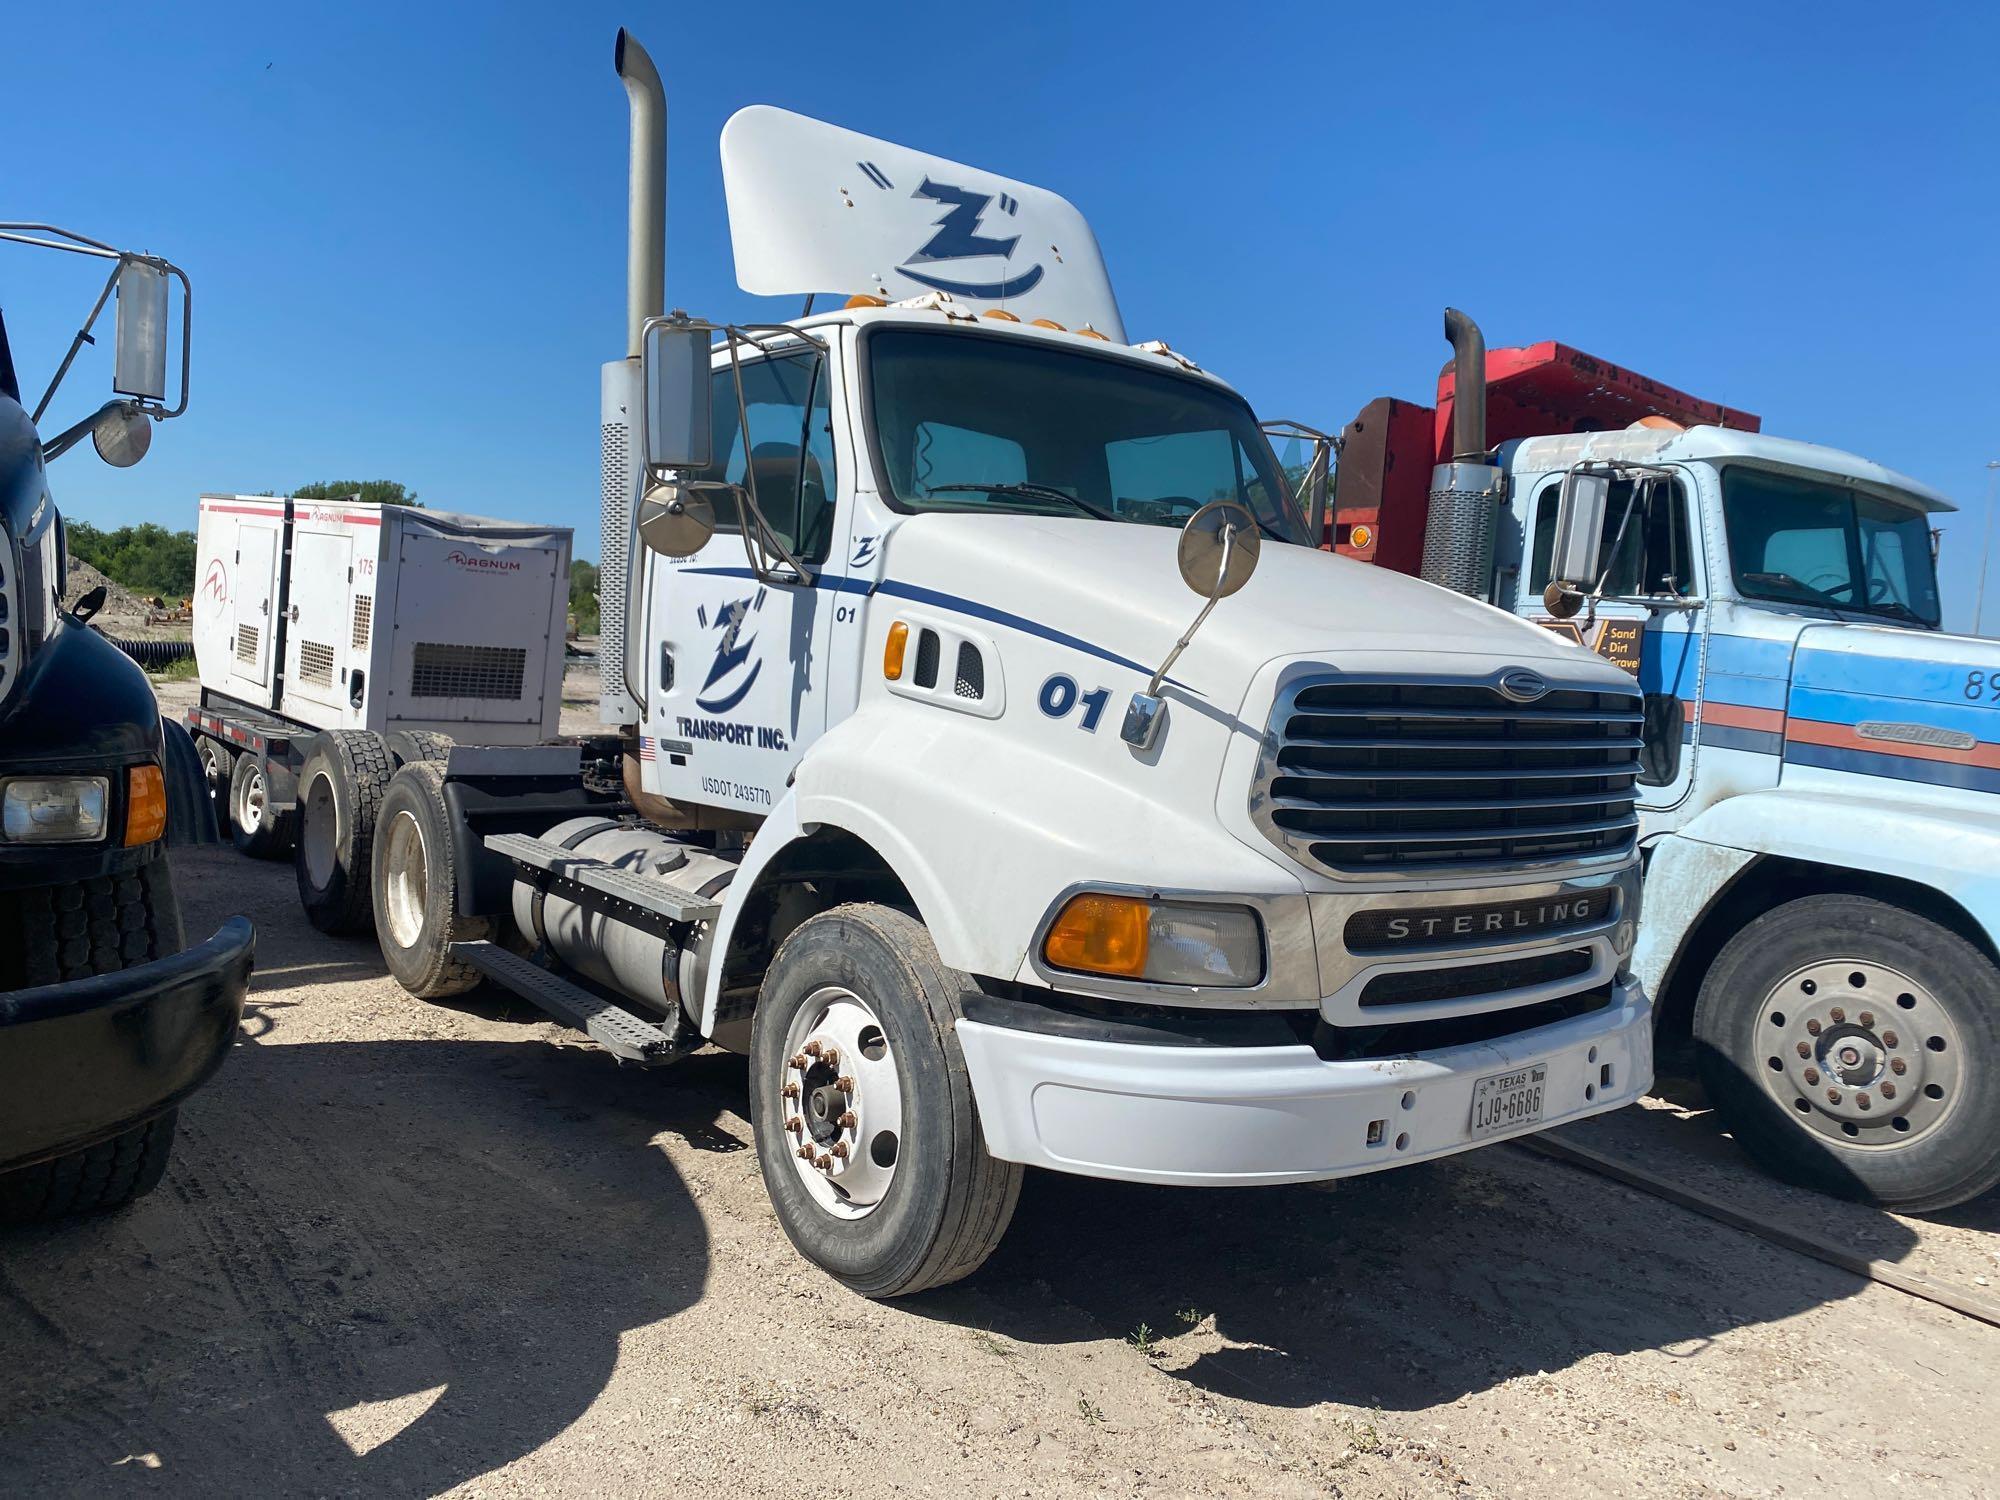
<point x="411" y="1248"/>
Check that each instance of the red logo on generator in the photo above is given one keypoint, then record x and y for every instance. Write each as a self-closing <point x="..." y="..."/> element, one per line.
<point x="215" y="585"/>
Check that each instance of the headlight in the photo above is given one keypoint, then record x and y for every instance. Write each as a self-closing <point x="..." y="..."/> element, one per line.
<point x="1157" y="942"/>
<point x="54" y="809"/>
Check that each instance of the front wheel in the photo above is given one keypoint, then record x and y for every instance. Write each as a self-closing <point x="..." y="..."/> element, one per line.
<point x="1851" y="1046"/>
<point x="866" y="1132"/>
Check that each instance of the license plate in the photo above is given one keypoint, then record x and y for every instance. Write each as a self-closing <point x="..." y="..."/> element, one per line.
<point x="1507" y="1101"/>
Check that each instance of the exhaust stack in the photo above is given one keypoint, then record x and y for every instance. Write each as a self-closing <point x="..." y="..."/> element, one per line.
<point x="1465" y="493"/>
<point x="620" y="701"/>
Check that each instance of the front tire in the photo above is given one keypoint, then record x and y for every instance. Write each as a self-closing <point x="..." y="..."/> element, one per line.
<point x="415" y="876"/>
<point x="1852" y="1046"/>
<point x="95" y="1180"/>
<point x="340" y="799"/>
<point x="894" y="1192"/>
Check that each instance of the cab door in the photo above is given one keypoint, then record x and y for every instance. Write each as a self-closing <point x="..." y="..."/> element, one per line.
<point x="1651" y="622"/>
<point x="736" y="681"/>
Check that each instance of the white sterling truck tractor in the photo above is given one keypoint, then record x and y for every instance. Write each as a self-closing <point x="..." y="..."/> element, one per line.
<point x="929" y="784"/>
<point x="1820" y="798"/>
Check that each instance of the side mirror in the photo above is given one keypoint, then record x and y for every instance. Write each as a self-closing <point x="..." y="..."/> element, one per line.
<point x="121" y="433"/>
<point x="1218" y="528"/>
<point x="677" y="420"/>
<point x="676" y="520"/>
<point x="1580" y="512"/>
<point x="139" y="364"/>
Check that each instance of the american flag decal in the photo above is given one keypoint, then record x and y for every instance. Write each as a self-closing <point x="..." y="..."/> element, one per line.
<point x="648" y="747"/>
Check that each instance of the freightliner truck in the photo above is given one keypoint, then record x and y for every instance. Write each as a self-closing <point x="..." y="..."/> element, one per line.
<point x="927" y="783"/>
<point x="106" y="1024"/>
<point x="1820" y="799"/>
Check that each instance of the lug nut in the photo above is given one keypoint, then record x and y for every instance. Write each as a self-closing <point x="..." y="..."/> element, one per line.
<point x="1898" y="1066"/>
<point x="830" y="1056"/>
<point x="1864" y="1101"/>
<point x="1867" y="1018"/>
<point x="845" y="1083"/>
<point x="840" y="1150"/>
<point x="1833" y="1096"/>
<point x="1888" y="1089"/>
<point x="1812" y="1077"/>
<point x="825" y="1162"/>
<point x="789" y="1091"/>
<point x="1888" y="1038"/>
<point x="813" y="1049"/>
<point x="847" y="1119"/>
<point x="1805" y="1049"/>
<point x="795" y="1125"/>
<point x="805" y="1153"/>
<point x="801" y="1061"/>
<point x="1838" y="1015"/>
<point x="1812" y="1028"/>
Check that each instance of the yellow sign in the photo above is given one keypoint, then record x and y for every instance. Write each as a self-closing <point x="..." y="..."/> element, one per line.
<point x="1619" y="642"/>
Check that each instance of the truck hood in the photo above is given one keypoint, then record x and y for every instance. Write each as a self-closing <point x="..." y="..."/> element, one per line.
<point x="1117" y="589"/>
<point x="1875" y="698"/>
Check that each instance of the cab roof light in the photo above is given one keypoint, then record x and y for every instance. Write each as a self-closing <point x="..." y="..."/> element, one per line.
<point x="999" y="315"/>
<point x="862" y="299"/>
<point x="1048" y="323"/>
<point x="1087" y="332"/>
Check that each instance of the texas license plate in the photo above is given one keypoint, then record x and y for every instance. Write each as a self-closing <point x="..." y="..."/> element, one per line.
<point x="1507" y="1101"/>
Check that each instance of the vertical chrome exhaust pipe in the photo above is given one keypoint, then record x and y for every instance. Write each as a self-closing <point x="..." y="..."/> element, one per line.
<point x="646" y="237"/>
<point x="1460" y="529"/>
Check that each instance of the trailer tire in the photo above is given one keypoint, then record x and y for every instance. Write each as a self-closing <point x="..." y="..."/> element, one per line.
<point x="94" y="1180"/>
<point x="340" y="797"/>
<point x="407" y="745"/>
<point x="415" y="874"/>
<point x="1854" y="1046"/>
<point x="218" y="769"/>
<point x="257" y="827"/>
<point x="946" y="1202"/>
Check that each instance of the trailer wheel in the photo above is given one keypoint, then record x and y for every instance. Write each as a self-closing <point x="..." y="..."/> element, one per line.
<point x="416" y="876"/>
<point x="866" y="1132"/>
<point x="406" y="745"/>
<point x="1853" y="1046"/>
<point x="258" y="828"/>
<point x="340" y="798"/>
<point x="218" y="769"/>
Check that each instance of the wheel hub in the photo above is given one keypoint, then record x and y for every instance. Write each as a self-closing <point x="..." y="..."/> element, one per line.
<point x="1858" y="1052"/>
<point x="842" y="1102"/>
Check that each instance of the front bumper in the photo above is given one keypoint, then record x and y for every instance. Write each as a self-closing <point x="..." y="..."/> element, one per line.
<point x="85" y="1061"/>
<point x="1242" y="1116"/>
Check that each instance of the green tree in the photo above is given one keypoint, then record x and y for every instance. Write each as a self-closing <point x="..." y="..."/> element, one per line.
<point x="147" y="559"/>
<point x="370" y="491"/>
<point x="583" y="596"/>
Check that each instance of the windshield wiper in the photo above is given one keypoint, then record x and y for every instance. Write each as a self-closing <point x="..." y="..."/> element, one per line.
<point x="1895" y="609"/>
<point x="1029" y="490"/>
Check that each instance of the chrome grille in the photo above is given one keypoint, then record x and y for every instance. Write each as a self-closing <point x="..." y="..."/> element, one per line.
<point x="1362" y="776"/>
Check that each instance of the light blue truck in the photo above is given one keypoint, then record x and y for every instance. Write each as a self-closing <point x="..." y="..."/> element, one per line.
<point x="1820" y="764"/>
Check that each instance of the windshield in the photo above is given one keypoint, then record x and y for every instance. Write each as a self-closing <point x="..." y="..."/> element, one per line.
<point x="1802" y="541"/>
<point x="992" y="423"/>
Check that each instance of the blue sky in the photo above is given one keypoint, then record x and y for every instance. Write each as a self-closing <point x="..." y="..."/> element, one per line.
<point x="405" y="223"/>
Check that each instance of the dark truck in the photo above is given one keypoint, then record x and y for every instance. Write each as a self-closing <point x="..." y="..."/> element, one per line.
<point x="106" y="1022"/>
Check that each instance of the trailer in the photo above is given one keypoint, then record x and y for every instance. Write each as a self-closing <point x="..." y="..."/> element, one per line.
<point x="367" y="636"/>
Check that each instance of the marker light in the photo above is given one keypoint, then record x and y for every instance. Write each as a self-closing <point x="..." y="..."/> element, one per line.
<point x="1158" y="942"/>
<point x="999" y="315"/>
<point x="145" y="806"/>
<point x="862" y="299"/>
<point x="1087" y="332"/>
<point x="1361" y="535"/>
<point x="54" y="809"/>
<point x="892" y="651"/>
<point x="1049" y="323"/>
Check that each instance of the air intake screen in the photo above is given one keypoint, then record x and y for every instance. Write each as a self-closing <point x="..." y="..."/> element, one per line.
<point x="927" y="659"/>
<point x="444" y="671"/>
<point x="971" y="679"/>
<point x="364" y="616"/>
<point x="316" y="663"/>
<point x="246" y="644"/>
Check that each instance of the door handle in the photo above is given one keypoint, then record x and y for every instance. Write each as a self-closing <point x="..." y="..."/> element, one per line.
<point x="666" y="669"/>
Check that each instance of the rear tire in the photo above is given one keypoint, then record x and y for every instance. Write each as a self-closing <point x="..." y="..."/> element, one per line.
<point x="257" y="828"/>
<point x="408" y="745"/>
<point x="415" y="877"/>
<point x="946" y="1202"/>
<point x="1854" y="1047"/>
<point x="340" y="798"/>
<point x="105" y="1176"/>
<point x="218" y="770"/>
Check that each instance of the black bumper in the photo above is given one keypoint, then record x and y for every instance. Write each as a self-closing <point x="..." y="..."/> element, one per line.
<point x="85" y="1061"/>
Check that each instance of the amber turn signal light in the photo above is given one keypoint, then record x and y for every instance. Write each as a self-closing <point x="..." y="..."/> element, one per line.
<point x="145" y="806"/>
<point x="892" y="651"/>
<point x="1098" y="934"/>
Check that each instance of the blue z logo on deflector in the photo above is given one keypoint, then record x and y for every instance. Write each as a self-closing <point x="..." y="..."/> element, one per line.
<point x="958" y="238"/>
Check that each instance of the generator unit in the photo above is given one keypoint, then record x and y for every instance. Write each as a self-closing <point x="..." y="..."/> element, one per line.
<point x="345" y="615"/>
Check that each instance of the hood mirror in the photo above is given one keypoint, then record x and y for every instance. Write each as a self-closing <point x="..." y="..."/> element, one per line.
<point x="676" y="520"/>
<point x="1217" y="554"/>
